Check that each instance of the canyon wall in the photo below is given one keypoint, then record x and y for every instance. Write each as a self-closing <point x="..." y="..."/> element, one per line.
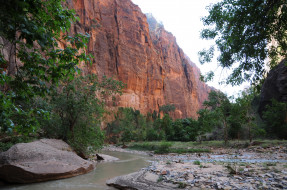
<point x="274" y="86"/>
<point x="143" y="55"/>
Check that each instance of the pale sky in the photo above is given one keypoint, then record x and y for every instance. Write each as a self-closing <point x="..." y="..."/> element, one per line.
<point x="182" y="19"/>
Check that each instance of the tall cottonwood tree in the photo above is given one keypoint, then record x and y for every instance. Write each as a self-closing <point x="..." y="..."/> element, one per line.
<point x="246" y="33"/>
<point x="207" y="119"/>
<point x="275" y="119"/>
<point x="219" y="108"/>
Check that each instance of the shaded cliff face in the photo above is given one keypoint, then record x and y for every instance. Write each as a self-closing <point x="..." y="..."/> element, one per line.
<point x="274" y="86"/>
<point x="149" y="61"/>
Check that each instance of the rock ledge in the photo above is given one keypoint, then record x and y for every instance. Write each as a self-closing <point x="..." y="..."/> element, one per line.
<point x="142" y="180"/>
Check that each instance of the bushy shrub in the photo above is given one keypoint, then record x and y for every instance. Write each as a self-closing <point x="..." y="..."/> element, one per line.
<point x="77" y="108"/>
<point x="4" y="146"/>
<point x="86" y="139"/>
<point x="275" y="119"/>
<point x="167" y="108"/>
<point x="164" y="147"/>
<point x="130" y="125"/>
<point x="196" y="162"/>
<point x="152" y="134"/>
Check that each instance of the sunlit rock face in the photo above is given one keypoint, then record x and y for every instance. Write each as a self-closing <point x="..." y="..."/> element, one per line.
<point x="145" y="57"/>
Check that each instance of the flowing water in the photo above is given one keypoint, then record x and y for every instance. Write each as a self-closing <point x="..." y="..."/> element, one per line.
<point x="95" y="180"/>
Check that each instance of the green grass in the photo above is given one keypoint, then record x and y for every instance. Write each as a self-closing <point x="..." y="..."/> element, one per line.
<point x="149" y="146"/>
<point x="160" y="179"/>
<point x="269" y="164"/>
<point x="271" y="143"/>
<point x="164" y="147"/>
<point x="182" y="150"/>
<point x="196" y="147"/>
<point x="196" y="162"/>
<point x="182" y="185"/>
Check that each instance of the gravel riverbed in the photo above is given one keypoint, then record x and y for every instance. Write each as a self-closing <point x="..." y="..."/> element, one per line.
<point x="248" y="168"/>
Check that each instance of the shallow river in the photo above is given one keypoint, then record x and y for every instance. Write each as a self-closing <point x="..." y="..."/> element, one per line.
<point x="95" y="180"/>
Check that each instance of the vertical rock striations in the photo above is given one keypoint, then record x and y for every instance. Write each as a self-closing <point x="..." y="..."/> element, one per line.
<point x="143" y="55"/>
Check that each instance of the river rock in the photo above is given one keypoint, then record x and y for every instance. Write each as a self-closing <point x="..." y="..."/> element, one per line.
<point x="106" y="158"/>
<point x="138" y="181"/>
<point x="227" y="188"/>
<point x="43" y="160"/>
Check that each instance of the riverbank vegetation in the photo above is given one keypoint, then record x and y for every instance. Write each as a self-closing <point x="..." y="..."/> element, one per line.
<point x="42" y="90"/>
<point x="44" y="94"/>
<point x="220" y="119"/>
<point x="166" y="147"/>
<point x="205" y="146"/>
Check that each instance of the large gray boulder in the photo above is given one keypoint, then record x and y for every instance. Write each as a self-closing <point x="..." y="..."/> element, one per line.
<point x="43" y="160"/>
<point x="274" y="86"/>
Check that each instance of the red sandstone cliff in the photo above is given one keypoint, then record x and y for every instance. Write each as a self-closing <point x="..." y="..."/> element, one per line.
<point x="149" y="61"/>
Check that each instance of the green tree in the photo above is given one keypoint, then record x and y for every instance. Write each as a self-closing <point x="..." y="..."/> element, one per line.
<point x="152" y="134"/>
<point x="183" y="130"/>
<point x="237" y="119"/>
<point x="275" y="119"/>
<point x="244" y="31"/>
<point x="158" y="127"/>
<point x="178" y="131"/>
<point x="129" y="124"/>
<point x="167" y="108"/>
<point x="77" y="108"/>
<point x="207" y="119"/>
<point x="220" y="106"/>
<point x="244" y="112"/>
<point x="166" y="124"/>
<point x="140" y="125"/>
<point x="191" y="128"/>
<point x="155" y="115"/>
<point x="126" y="125"/>
<point x="31" y="60"/>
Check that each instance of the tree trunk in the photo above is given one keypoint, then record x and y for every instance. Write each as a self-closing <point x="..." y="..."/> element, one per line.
<point x="225" y="132"/>
<point x="249" y="131"/>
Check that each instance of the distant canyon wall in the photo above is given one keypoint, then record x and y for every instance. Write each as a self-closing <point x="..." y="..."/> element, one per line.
<point x="143" y="55"/>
